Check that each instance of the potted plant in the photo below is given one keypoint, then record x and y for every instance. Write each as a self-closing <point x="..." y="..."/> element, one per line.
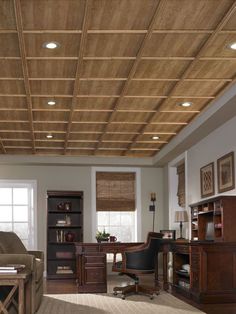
<point x="102" y="236"/>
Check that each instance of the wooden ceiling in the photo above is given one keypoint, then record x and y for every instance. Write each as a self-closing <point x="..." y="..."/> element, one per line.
<point x="118" y="77"/>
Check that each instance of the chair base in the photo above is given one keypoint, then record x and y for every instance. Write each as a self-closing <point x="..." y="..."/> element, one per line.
<point x="135" y="289"/>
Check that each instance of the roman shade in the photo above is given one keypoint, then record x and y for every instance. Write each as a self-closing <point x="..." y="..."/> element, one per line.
<point x="115" y="191"/>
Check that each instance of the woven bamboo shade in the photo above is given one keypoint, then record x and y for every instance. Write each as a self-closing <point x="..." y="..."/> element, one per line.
<point x="115" y="191"/>
<point x="181" y="185"/>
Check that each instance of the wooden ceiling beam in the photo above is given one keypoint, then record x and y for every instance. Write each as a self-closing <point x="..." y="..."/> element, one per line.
<point x="19" y="25"/>
<point x="198" y="55"/>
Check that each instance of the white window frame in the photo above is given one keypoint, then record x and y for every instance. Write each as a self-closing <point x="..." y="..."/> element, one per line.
<point x="33" y="210"/>
<point x="138" y="235"/>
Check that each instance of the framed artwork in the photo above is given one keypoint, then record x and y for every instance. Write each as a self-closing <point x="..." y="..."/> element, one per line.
<point x="168" y="234"/>
<point x="207" y="180"/>
<point x="225" y="172"/>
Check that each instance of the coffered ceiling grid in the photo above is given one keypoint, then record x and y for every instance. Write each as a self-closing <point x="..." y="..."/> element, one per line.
<point x="118" y="76"/>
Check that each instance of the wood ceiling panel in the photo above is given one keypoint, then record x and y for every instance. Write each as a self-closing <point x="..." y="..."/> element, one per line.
<point x="198" y="88"/>
<point x="100" y="87"/>
<point x="140" y="153"/>
<point x="107" y="68"/>
<point x="231" y="25"/>
<point x="7" y="15"/>
<point x="213" y="69"/>
<point x="81" y="145"/>
<point x="17" y="126"/>
<point x="138" y="104"/>
<point x="42" y="136"/>
<point x="148" y="138"/>
<point x="117" y="137"/>
<point x="19" y="151"/>
<point x="13" y="115"/>
<point x="80" y="152"/>
<point x="174" y="45"/>
<point x="15" y="135"/>
<point x="163" y="128"/>
<point x="112" y="14"/>
<point x="118" y="127"/>
<point x="192" y="14"/>
<point x="220" y="46"/>
<point x="87" y="127"/>
<point x="90" y="116"/>
<point x="13" y="102"/>
<point x="51" y="68"/>
<point x="83" y="137"/>
<point x="50" y="116"/>
<point x="42" y="103"/>
<point x="130" y="117"/>
<point x="12" y="87"/>
<point x="51" y="14"/>
<point x="109" y="152"/>
<point x="51" y="88"/>
<point x="10" y="68"/>
<point x="9" y="46"/>
<point x="18" y="143"/>
<point x="95" y="103"/>
<point x="49" y="151"/>
<point x="174" y="104"/>
<point x="49" y="144"/>
<point x="116" y="145"/>
<point x="161" y="69"/>
<point x="173" y="117"/>
<point x="156" y="146"/>
<point x="49" y="127"/>
<point x="69" y="45"/>
<point x="109" y="45"/>
<point x="149" y="88"/>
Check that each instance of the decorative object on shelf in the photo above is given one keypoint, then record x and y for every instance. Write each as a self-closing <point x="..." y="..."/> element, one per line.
<point x="60" y="206"/>
<point x="181" y="216"/>
<point x="152" y="209"/>
<point x="168" y="234"/>
<point x="207" y="180"/>
<point x="69" y="236"/>
<point x="102" y="236"/>
<point x="225" y="172"/>
<point x="67" y="206"/>
<point x="113" y="239"/>
<point x="181" y="185"/>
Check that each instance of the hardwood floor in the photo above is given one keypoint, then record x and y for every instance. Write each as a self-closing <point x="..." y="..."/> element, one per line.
<point x="69" y="286"/>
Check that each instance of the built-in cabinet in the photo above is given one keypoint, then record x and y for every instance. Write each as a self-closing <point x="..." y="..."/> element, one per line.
<point x="64" y="227"/>
<point x="204" y="268"/>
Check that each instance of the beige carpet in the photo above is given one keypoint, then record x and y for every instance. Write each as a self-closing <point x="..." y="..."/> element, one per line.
<point x="107" y="303"/>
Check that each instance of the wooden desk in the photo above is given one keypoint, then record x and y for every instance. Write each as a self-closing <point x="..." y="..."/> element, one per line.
<point x="20" y="282"/>
<point x="91" y="264"/>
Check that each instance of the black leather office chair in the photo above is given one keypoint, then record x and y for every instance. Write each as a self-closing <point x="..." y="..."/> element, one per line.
<point x="138" y="260"/>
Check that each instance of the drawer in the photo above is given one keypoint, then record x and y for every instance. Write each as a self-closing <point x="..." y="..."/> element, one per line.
<point x="182" y="249"/>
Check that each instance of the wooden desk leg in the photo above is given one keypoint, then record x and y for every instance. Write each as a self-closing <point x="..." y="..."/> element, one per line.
<point x="165" y="277"/>
<point x="21" y="297"/>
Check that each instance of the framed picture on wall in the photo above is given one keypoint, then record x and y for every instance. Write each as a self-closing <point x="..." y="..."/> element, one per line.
<point x="207" y="180"/>
<point x="168" y="234"/>
<point x="225" y="172"/>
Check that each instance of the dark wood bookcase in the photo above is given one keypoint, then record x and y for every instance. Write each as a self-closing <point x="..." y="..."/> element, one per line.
<point x="64" y="227"/>
<point x="214" y="219"/>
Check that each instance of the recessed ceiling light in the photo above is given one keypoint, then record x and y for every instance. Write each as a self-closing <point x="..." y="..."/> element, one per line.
<point x="51" y="45"/>
<point x="232" y="46"/>
<point x="49" y="136"/>
<point x="155" y="137"/>
<point x="186" y="104"/>
<point x="51" y="102"/>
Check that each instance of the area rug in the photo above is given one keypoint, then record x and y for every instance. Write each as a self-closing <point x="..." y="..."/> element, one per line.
<point x="164" y="303"/>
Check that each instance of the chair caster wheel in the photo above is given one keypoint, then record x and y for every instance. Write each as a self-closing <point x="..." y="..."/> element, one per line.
<point x="123" y="297"/>
<point x="114" y="293"/>
<point x="151" y="297"/>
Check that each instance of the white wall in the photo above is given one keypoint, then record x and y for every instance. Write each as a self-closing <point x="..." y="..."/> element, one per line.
<point x="78" y="178"/>
<point x="212" y="147"/>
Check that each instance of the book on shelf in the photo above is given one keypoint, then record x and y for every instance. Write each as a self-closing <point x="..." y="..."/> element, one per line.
<point x="11" y="268"/>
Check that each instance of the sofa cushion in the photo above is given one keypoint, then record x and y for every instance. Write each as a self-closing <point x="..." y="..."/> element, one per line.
<point x="39" y="269"/>
<point x="11" y="244"/>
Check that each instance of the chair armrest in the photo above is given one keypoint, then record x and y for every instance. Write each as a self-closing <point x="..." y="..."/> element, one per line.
<point x="24" y="259"/>
<point x="37" y="254"/>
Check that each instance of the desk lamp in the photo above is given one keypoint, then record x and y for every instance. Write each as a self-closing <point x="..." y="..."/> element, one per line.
<point x="181" y="216"/>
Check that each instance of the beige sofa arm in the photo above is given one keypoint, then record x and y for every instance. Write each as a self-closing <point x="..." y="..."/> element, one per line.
<point x="25" y="259"/>
<point x="37" y="254"/>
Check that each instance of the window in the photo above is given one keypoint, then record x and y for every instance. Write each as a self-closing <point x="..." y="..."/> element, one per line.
<point x="116" y="204"/>
<point x="17" y="210"/>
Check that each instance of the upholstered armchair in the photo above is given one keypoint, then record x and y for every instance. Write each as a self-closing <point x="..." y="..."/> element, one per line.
<point x="139" y="260"/>
<point x="12" y="251"/>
